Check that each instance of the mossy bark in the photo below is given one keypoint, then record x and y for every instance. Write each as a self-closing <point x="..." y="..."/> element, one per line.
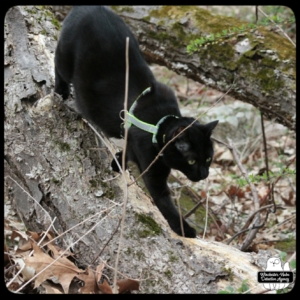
<point x="261" y="63"/>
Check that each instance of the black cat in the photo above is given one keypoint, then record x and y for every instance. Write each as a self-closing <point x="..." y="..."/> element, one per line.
<point x="91" y="55"/>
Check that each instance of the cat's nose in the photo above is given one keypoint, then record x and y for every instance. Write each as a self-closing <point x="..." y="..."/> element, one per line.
<point x="203" y="173"/>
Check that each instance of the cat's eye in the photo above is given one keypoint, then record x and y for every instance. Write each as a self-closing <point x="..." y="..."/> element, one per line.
<point x="191" y="162"/>
<point x="208" y="159"/>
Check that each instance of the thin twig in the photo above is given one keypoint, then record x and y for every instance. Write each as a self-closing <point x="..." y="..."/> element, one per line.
<point x="277" y="179"/>
<point x="180" y="217"/>
<point x="221" y="142"/>
<point x="30" y="254"/>
<point x="256" y="14"/>
<point x="181" y="132"/>
<point x="206" y="208"/>
<point x="104" y="142"/>
<point x="115" y="287"/>
<point x="193" y="209"/>
<point x="265" y="147"/>
<point x="278" y="27"/>
<point x="111" y="236"/>
<point x="57" y="258"/>
<point x="254" y="228"/>
<point x="253" y="232"/>
<point x="37" y="203"/>
<point x="198" y="202"/>
<point x="292" y="257"/>
<point x="275" y="227"/>
<point x="247" y="223"/>
<point x="85" y="220"/>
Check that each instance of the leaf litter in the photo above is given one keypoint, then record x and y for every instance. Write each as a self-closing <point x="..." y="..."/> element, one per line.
<point x="49" y="267"/>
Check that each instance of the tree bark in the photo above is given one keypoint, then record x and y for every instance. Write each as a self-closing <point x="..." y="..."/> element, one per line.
<point x="55" y="168"/>
<point x="261" y="63"/>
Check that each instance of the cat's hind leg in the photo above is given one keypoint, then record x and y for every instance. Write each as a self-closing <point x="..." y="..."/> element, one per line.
<point x="114" y="165"/>
<point x="61" y="87"/>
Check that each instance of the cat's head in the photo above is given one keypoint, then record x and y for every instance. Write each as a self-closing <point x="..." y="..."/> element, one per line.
<point x="192" y="151"/>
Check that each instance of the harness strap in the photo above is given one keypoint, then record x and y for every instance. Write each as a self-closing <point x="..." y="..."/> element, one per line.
<point x="131" y="119"/>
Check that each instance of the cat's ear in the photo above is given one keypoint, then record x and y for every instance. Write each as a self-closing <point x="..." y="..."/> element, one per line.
<point x="209" y="127"/>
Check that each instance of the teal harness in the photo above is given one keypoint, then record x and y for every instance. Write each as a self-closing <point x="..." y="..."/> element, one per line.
<point x="132" y="120"/>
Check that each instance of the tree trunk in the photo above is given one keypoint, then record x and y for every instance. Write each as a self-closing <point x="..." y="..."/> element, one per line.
<point x="55" y="168"/>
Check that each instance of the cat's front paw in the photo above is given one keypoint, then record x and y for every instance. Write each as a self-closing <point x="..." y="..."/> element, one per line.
<point x="114" y="165"/>
<point x="189" y="231"/>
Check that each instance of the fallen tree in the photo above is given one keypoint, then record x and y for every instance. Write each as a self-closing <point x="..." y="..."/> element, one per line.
<point x="260" y="62"/>
<point x="57" y="176"/>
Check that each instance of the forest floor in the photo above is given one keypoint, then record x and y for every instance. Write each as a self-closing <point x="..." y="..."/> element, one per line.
<point x="228" y="194"/>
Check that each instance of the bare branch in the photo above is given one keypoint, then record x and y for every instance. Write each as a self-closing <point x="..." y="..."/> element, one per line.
<point x="115" y="287"/>
<point x="170" y="141"/>
<point x="278" y="27"/>
<point x="253" y="232"/>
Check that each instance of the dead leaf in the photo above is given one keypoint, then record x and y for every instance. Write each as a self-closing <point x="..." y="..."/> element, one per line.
<point x="34" y="235"/>
<point x="62" y="268"/>
<point x="90" y="284"/>
<point x="57" y="251"/>
<point x="25" y="247"/>
<point x="203" y="194"/>
<point x="50" y="288"/>
<point x="99" y="271"/>
<point x="17" y="233"/>
<point x="234" y="191"/>
<point x="105" y="287"/>
<point x="288" y="200"/>
<point x="128" y="285"/>
<point x="14" y="286"/>
<point x="27" y="272"/>
<point x="225" y="156"/>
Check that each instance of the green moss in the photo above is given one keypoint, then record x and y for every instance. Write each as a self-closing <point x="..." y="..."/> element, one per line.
<point x="160" y="36"/>
<point x="63" y="146"/>
<point x="110" y="193"/>
<point x="140" y="255"/>
<point x="268" y="80"/>
<point x="228" y="272"/>
<point x="128" y="251"/>
<point x="224" y="54"/>
<point x="56" y="23"/>
<point x="48" y="14"/>
<point x="93" y="183"/>
<point x="172" y="256"/>
<point x="168" y="273"/>
<point x="268" y="62"/>
<point x="286" y="245"/>
<point x="120" y="9"/>
<point x="176" y="12"/>
<point x="181" y="35"/>
<point x="56" y="181"/>
<point x="187" y="203"/>
<point x="152" y="228"/>
<point x="284" y="47"/>
<point x="250" y="53"/>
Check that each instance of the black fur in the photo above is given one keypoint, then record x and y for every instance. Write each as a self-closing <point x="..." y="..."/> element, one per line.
<point x="91" y="55"/>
